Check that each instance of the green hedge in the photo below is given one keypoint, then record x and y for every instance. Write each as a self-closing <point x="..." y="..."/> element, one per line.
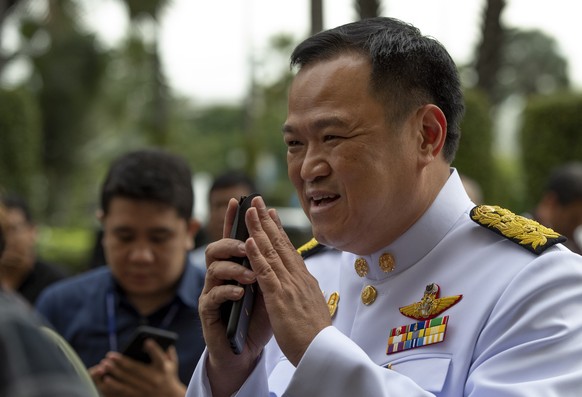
<point x="70" y="248"/>
<point x="551" y="134"/>
<point x="474" y="157"/>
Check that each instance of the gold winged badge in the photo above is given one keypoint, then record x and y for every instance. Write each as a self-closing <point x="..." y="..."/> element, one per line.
<point x="431" y="304"/>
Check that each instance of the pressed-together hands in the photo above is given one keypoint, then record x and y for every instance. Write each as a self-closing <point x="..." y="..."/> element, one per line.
<point x="120" y="376"/>
<point x="290" y="303"/>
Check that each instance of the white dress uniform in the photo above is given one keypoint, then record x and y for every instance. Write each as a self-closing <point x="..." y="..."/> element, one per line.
<point x="510" y="324"/>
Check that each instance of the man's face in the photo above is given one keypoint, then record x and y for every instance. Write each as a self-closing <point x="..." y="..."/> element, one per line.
<point x="355" y="172"/>
<point x="567" y="217"/>
<point x="218" y="201"/>
<point x="145" y="245"/>
<point x="563" y="218"/>
<point x="20" y="241"/>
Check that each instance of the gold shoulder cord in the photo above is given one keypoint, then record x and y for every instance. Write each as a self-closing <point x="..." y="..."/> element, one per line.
<point x="307" y="249"/>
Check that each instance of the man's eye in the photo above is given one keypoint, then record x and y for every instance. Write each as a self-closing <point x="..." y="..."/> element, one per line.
<point x="125" y="238"/>
<point x="160" y="239"/>
<point x="293" y="143"/>
<point x="330" y="137"/>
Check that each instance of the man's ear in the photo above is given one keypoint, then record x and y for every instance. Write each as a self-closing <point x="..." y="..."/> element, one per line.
<point x="433" y="124"/>
<point x="99" y="215"/>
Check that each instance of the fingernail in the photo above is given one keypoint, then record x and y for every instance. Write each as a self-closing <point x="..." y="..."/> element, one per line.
<point x="261" y="203"/>
<point x="237" y="291"/>
<point x="249" y="275"/>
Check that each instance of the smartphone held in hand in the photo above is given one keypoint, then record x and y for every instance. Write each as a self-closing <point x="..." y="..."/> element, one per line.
<point x="236" y="314"/>
<point x="135" y="348"/>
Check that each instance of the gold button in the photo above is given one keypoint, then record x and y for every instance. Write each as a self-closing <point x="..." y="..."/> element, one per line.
<point x="332" y="303"/>
<point x="387" y="263"/>
<point x="369" y="295"/>
<point x="361" y="267"/>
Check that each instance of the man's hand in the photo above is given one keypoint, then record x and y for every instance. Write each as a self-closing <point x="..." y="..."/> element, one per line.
<point x="120" y="376"/>
<point x="289" y="301"/>
<point x="227" y="371"/>
<point x="296" y="307"/>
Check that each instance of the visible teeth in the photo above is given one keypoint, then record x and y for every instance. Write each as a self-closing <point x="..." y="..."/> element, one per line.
<point x="317" y="198"/>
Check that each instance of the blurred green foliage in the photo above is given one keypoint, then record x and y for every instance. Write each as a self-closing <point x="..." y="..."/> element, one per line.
<point x="475" y="157"/>
<point x="20" y="135"/>
<point x="68" y="247"/>
<point x="551" y="135"/>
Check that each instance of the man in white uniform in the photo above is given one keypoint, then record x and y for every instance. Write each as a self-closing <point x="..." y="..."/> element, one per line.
<point x="425" y="294"/>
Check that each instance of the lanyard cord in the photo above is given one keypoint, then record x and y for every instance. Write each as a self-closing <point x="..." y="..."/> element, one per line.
<point x="112" y="323"/>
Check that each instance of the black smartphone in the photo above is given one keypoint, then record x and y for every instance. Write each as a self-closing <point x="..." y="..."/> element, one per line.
<point x="134" y="348"/>
<point x="236" y="314"/>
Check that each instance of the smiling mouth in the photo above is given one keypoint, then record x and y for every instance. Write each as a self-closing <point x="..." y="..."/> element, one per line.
<point x="319" y="201"/>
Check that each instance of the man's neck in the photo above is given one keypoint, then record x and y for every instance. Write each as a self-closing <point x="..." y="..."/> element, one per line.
<point x="11" y="278"/>
<point x="148" y="304"/>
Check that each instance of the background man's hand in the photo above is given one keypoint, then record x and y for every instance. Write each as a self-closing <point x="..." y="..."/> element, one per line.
<point x="120" y="376"/>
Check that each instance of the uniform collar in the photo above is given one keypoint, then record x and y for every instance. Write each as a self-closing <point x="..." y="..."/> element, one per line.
<point x="190" y="284"/>
<point x="450" y="204"/>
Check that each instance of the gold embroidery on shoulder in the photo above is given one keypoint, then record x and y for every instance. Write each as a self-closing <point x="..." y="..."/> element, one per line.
<point x="526" y="232"/>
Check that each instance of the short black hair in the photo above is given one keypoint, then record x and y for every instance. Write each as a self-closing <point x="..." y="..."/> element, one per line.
<point x="150" y="175"/>
<point x="408" y="69"/>
<point x="14" y="201"/>
<point x="566" y="182"/>
<point x="233" y="178"/>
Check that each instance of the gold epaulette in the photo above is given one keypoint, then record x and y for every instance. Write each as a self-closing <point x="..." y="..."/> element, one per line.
<point x="309" y="248"/>
<point x="528" y="233"/>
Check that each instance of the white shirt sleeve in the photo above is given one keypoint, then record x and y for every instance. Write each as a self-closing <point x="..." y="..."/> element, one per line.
<point x="255" y="385"/>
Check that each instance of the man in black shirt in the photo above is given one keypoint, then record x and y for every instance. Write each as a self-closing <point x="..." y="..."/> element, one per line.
<point x="21" y="270"/>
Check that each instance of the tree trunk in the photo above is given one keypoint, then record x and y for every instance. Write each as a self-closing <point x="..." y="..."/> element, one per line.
<point x="316" y="16"/>
<point x="490" y="49"/>
<point x="368" y="8"/>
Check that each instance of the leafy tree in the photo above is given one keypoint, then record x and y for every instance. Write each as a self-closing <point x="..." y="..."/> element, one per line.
<point x="156" y="114"/>
<point x="66" y="69"/>
<point x="20" y="126"/>
<point x="6" y="8"/>
<point x="531" y="64"/>
<point x="511" y="61"/>
<point x="269" y="115"/>
<point x="212" y="138"/>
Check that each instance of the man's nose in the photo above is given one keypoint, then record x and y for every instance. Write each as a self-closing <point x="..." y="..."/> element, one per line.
<point x="314" y="166"/>
<point x="141" y="253"/>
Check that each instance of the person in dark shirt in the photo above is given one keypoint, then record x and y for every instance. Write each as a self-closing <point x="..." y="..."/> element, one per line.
<point x="146" y="207"/>
<point x="560" y="206"/>
<point x="21" y="269"/>
<point x="229" y="184"/>
<point x="34" y="361"/>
